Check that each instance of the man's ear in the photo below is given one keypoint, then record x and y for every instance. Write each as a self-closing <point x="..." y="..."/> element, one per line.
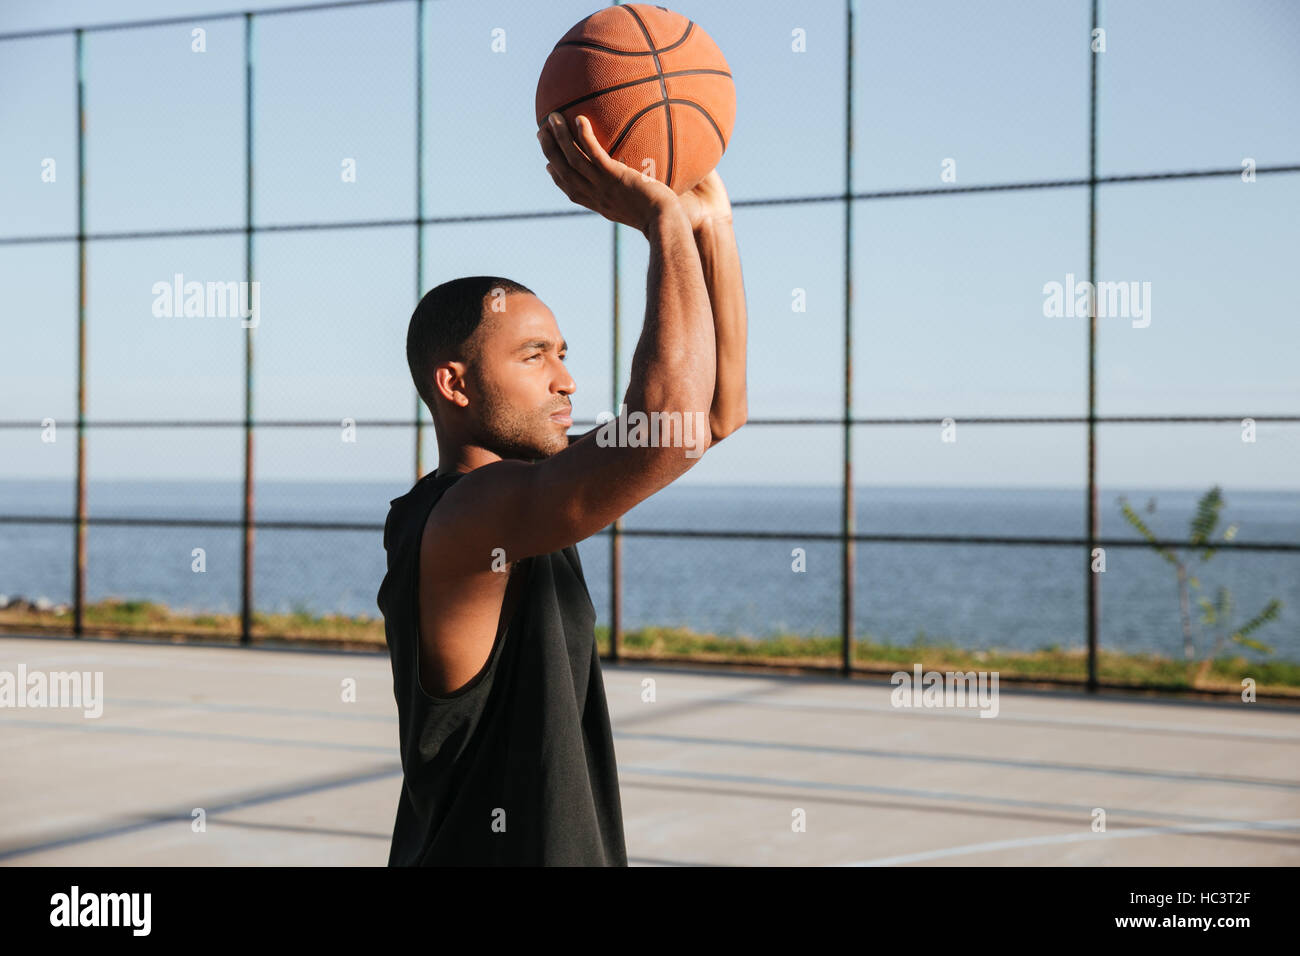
<point x="449" y="382"/>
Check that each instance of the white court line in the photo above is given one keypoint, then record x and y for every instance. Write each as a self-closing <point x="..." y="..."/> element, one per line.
<point x="1076" y="838"/>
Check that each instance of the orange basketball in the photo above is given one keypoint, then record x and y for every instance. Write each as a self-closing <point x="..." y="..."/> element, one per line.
<point x="656" y="88"/>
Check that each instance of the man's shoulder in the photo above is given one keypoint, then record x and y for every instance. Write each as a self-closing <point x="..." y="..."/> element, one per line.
<point x="408" y="514"/>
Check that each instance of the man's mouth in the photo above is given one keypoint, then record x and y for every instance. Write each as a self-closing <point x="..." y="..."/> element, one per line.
<point x="562" y="417"/>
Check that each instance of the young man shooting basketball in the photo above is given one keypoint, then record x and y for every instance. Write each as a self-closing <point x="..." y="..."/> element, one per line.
<point x="507" y="750"/>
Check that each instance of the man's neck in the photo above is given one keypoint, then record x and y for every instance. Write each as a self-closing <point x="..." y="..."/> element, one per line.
<point x="463" y="459"/>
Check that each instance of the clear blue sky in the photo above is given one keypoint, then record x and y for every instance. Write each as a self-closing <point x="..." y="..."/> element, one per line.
<point x="948" y="290"/>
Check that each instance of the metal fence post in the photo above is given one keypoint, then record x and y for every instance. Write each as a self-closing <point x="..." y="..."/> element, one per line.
<point x="246" y="570"/>
<point x="847" y="523"/>
<point x="1094" y="519"/>
<point x="79" y="568"/>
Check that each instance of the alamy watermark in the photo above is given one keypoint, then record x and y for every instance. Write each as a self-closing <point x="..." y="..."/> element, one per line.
<point x="78" y="689"/>
<point x="640" y="429"/>
<point x="1123" y="300"/>
<point x="946" y="689"/>
<point x="181" y="299"/>
<point x="75" y="908"/>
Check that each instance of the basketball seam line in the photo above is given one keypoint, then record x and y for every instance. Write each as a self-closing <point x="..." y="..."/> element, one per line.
<point x="621" y="86"/>
<point x="645" y="109"/>
<point x="610" y="49"/>
<point x="663" y="84"/>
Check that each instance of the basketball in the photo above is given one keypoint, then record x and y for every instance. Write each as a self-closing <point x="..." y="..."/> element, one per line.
<point x="654" y="85"/>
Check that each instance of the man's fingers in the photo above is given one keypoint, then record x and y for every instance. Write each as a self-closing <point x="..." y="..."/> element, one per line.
<point x="568" y="187"/>
<point x="590" y="145"/>
<point x="558" y="165"/>
<point x="575" y="157"/>
<point x="563" y="174"/>
<point x="550" y="148"/>
<point x="555" y="154"/>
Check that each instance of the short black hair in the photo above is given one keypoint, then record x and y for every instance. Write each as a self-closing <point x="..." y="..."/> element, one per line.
<point x="443" y="325"/>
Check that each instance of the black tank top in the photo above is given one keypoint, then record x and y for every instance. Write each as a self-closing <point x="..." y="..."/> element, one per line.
<point x="517" y="767"/>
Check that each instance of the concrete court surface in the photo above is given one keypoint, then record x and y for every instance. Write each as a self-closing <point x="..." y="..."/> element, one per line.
<point x="713" y="772"/>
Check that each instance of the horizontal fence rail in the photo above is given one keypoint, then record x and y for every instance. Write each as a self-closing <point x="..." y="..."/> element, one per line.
<point x="977" y="420"/>
<point x="110" y="236"/>
<point x="1041" y="541"/>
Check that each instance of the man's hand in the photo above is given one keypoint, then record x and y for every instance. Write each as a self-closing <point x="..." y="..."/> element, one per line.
<point x="592" y="178"/>
<point x="707" y="202"/>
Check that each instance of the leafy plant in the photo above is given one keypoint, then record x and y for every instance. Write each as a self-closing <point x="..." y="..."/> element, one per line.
<point x="1216" y="615"/>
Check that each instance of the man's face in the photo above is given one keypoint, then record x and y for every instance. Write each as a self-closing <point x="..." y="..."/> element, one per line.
<point x="522" y="381"/>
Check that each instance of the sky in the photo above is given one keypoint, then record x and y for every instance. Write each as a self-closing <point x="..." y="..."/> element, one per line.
<point x="948" y="291"/>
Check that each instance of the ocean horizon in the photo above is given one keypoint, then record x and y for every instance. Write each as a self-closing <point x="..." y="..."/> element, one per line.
<point x="1013" y="597"/>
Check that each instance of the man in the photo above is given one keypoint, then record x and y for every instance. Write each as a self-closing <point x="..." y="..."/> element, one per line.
<point x="507" y="750"/>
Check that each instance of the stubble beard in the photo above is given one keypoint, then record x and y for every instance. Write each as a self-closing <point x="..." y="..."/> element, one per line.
<point x="513" y="433"/>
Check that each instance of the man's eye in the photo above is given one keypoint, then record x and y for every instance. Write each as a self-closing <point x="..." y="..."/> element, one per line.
<point x="534" y="355"/>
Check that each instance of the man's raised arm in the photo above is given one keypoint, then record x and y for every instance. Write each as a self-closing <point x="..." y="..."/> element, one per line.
<point x="531" y="509"/>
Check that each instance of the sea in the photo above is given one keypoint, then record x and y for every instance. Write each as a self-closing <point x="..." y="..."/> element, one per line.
<point x="977" y="596"/>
